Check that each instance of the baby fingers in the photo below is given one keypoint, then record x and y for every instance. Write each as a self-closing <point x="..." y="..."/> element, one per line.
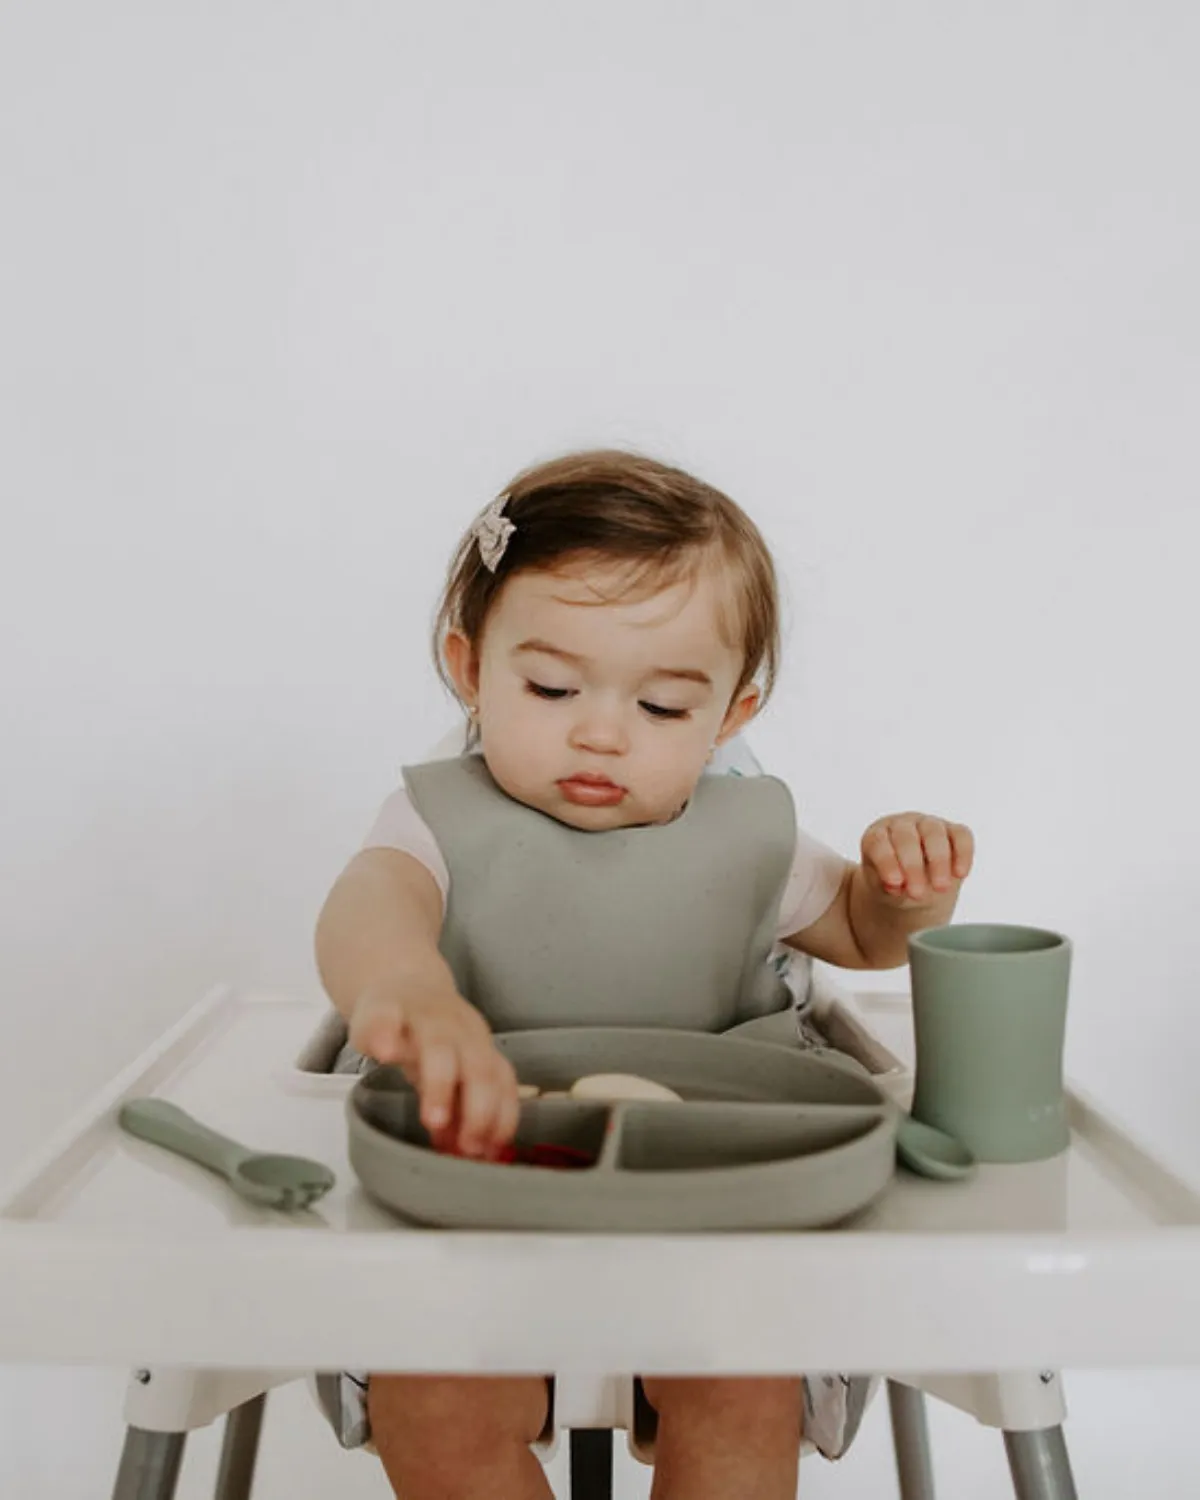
<point x="489" y="1104"/>
<point x="469" y="1099"/>
<point x="914" y="852"/>
<point x="962" y="841"/>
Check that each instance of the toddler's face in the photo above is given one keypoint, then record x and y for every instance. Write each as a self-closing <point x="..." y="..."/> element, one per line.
<point x="597" y="707"/>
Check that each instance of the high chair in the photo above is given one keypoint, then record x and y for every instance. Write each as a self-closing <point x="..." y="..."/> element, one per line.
<point x="162" y="1405"/>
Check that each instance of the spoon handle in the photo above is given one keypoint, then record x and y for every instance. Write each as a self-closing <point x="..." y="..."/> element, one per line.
<point x="167" y="1125"/>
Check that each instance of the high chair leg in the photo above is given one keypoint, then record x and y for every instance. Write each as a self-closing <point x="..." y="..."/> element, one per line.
<point x="239" y="1449"/>
<point x="910" y="1434"/>
<point x="1039" y="1464"/>
<point x="591" y="1463"/>
<point x="149" y="1467"/>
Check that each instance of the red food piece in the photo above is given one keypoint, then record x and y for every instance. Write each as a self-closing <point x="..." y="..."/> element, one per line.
<point x="566" y="1157"/>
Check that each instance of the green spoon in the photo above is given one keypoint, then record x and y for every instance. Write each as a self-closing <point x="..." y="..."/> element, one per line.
<point x="269" y="1180"/>
<point x="932" y="1152"/>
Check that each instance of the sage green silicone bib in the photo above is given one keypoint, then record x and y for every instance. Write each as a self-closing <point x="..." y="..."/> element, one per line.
<point x="668" y="925"/>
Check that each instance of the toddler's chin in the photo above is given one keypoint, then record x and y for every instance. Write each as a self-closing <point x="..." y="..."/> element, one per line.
<point x="592" y="819"/>
<point x="599" y="819"/>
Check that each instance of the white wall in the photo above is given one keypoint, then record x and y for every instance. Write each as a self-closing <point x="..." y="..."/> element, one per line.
<point x="288" y="290"/>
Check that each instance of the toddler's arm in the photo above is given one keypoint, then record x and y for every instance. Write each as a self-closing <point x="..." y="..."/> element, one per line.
<point x="377" y="954"/>
<point x="912" y="867"/>
<point x="380" y="921"/>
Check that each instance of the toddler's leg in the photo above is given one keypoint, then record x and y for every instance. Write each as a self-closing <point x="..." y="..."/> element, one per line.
<point x="727" y="1438"/>
<point x="442" y="1437"/>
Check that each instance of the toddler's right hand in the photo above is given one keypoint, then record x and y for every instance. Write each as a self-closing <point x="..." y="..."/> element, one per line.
<point x="468" y="1090"/>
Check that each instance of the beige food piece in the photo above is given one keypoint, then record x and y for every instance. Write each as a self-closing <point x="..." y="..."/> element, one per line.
<point x="556" y="1094"/>
<point x="621" y="1086"/>
<point x="527" y="1091"/>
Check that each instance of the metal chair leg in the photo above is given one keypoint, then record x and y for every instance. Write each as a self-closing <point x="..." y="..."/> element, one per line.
<point x="591" y="1463"/>
<point x="239" y="1449"/>
<point x="910" y="1434"/>
<point x="1039" y="1464"/>
<point x="149" y="1467"/>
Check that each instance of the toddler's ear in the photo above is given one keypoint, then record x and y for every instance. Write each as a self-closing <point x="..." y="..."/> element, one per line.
<point x="462" y="663"/>
<point x="739" y="713"/>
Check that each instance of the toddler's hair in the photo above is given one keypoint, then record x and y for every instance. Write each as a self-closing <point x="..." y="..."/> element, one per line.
<point x="622" y="507"/>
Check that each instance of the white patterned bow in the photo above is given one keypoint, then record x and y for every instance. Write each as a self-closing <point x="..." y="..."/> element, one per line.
<point x="492" y="531"/>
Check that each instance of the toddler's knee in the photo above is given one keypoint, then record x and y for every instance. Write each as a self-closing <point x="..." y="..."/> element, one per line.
<point x="751" y="1404"/>
<point x="454" y="1412"/>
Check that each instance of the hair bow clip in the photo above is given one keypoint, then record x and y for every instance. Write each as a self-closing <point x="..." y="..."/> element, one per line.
<point x="492" y="531"/>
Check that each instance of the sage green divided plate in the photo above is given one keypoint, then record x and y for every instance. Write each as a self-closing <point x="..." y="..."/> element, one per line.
<point x="766" y="1138"/>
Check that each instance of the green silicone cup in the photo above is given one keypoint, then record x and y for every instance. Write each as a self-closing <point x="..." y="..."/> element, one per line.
<point x="989" y="1020"/>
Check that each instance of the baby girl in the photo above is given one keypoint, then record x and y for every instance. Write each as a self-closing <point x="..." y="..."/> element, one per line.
<point x="609" y="624"/>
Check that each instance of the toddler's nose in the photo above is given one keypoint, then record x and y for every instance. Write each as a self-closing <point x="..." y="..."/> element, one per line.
<point x="602" y="733"/>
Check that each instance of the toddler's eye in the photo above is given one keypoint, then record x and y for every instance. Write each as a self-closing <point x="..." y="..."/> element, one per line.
<point x="656" y="711"/>
<point x="554" y="694"/>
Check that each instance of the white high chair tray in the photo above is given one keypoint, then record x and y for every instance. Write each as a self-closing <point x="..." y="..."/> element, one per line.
<point x="113" y="1251"/>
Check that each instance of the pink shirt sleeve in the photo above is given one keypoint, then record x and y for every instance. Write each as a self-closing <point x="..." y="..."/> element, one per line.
<point x="398" y="825"/>
<point x="817" y="869"/>
<point x="817" y="872"/>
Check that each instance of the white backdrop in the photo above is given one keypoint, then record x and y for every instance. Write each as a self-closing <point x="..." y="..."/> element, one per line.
<point x="287" y="291"/>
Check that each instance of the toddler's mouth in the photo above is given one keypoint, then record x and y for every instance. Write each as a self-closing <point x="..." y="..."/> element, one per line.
<point x="591" y="791"/>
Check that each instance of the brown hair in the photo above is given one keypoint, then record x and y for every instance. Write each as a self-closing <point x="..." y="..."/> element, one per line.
<point x="621" y="507"/>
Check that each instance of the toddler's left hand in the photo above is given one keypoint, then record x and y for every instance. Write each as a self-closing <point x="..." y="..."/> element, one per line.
<point x="912" y="858"/>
